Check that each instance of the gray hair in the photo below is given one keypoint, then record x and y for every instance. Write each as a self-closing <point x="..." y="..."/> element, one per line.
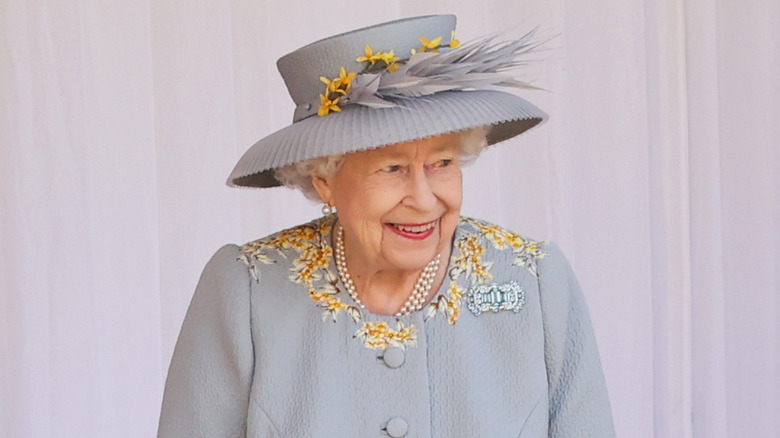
<point x="298" y="175"/>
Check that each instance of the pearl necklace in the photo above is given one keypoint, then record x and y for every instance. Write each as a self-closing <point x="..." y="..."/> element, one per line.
<point x="421" y="289"/>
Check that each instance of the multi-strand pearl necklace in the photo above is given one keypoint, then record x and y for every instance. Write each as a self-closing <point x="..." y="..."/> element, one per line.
<point x="421" y="290"/>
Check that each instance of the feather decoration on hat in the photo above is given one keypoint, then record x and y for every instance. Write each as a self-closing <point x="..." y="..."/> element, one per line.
<point x="479" y="64"/>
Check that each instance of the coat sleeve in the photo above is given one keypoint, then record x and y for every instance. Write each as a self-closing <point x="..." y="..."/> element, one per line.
<point x="579" y="405"/>
<point x="207" y="390"/>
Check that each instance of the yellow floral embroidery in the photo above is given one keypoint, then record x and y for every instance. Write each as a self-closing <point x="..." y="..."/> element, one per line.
<point x="311" y="261"/>
<point x="379" y="335"/>
<point x="467" y="261"/>
<point x="253" y="250"/>
<point x="326" y="297"/>
<point x="526" y="251"/>
<point x="313" y="254"/>
<point x="449" y="303"/>
<point x="309" y="268"/>
<point x="454" y="297"/>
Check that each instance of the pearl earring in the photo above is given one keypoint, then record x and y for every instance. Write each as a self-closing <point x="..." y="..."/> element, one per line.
<point x="328" y="209"/>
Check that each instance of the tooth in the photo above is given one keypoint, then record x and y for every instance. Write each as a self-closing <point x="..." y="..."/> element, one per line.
<point x="415" y="228"/>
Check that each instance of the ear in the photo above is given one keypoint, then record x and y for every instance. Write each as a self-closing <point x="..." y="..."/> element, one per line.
<point x="323" y="188"/>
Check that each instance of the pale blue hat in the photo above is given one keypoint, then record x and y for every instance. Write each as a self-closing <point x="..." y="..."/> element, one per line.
<point x="357" y="127"/>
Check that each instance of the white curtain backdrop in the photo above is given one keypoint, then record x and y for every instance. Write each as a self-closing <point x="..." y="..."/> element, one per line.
<point x="657" y="174"/>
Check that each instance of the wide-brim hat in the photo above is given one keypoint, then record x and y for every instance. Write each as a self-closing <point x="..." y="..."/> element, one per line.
<point x="356" y="127"/>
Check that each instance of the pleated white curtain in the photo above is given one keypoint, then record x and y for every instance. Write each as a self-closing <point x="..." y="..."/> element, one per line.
<point x="657" y="173"/>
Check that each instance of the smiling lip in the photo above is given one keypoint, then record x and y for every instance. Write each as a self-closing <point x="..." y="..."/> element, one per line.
<point x="413" y="231"/>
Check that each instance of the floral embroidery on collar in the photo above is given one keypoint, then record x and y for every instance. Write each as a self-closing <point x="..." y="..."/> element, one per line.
<point x="467" y="265"/>
<point x="310" y="269"/>
<point x="378" y="335"/>
<point x="527" y="252"/>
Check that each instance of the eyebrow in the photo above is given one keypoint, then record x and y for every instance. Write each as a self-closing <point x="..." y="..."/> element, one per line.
<point x="438" y="149"/>
<point x="445" y="146"/>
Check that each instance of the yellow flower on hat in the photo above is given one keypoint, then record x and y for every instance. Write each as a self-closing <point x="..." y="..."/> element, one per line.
<point x="388" y="58"/>
<point x="430" y="46"/>
<point x="369" y="56"/>
<point x="335" y="88"/>
<point x="454" y="44"/>
<point x="327" y="105"/>
<point x="344" y="81"/>
<point x="326" y="81"/>
<point x="340" y="84"/>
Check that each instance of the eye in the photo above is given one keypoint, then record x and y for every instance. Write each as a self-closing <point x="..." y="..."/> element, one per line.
<point x="393" y="168"/>
<point x="445" y="162"/>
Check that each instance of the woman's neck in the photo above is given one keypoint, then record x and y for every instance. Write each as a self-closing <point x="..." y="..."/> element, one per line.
<point x="385" y="291"/>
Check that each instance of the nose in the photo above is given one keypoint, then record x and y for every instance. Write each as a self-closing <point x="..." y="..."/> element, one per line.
<point x="420" y="194"/>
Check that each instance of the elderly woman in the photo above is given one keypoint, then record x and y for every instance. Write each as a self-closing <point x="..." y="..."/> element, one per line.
<point x="391" y="315"/>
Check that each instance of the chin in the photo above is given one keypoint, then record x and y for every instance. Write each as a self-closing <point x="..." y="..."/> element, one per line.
<point x="412" y="259"/>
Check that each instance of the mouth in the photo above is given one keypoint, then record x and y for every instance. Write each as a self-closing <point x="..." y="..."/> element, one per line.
<point x="414" y="231"/>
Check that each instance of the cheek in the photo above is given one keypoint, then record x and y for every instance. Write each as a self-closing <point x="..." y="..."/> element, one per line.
<point x="450" y="191"/>
<point x="365" y="205"/>
<point x="455" y="196"/>
<point x="452" y="198"/>
<point x="379" y="202"/>
<point x="379" y="197"/>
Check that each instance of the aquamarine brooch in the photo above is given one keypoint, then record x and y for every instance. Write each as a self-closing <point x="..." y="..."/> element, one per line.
<point x="495" y="297"/>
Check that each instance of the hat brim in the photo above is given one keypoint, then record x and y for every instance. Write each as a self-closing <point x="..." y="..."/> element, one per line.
<point x="358" y="128"/>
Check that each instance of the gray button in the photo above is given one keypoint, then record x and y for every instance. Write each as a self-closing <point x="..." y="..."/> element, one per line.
<point x="394" y="357"/>
<point x="397" y="427"/>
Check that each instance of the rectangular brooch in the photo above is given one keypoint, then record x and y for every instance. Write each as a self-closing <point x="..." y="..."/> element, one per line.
<point x="495" y="297"/>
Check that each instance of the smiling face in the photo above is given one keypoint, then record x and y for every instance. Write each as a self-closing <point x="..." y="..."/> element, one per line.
<point x="399" y="204"/>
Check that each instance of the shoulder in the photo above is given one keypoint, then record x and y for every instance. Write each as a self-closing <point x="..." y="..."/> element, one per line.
<point x="499" y="243"/>
<point x="224" y="268"/>
<point x="536" y="252"/>
<point x="302" y="235"/>
<point x="309" y="241"/>
<point x="497" y="235"/>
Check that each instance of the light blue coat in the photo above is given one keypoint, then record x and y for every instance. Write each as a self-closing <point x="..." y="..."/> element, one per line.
<point x="272" y="346"/>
